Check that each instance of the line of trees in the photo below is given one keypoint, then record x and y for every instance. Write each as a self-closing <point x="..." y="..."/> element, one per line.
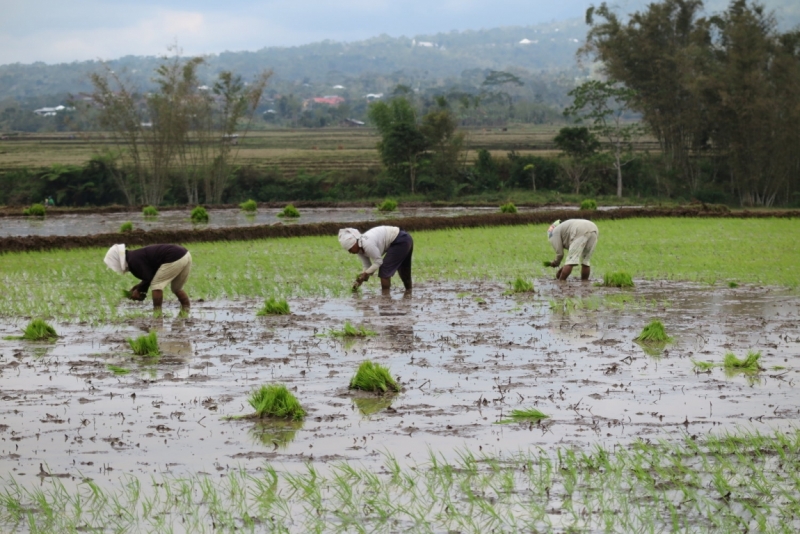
<point x="721" y="93"/>
<point x="182" y="126"/>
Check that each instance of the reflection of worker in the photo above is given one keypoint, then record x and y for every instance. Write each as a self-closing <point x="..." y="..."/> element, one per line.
<point x="395" y="243"/>
<point x="156" y="266"/>
<point x="579" y="237"/>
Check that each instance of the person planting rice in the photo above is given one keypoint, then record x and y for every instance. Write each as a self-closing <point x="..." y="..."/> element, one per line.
<point x="156" y="266"/>
<point x="578" y="237"/>
<point x="371" y="246"/>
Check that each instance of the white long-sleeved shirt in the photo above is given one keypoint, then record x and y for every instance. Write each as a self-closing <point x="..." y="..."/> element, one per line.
<point x="374" y="244"/>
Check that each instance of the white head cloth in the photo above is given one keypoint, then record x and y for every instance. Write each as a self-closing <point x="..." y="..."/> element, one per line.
<point x="348" y="237"/>
<point x="552" y="227"/>
<point x="115" y="259"/>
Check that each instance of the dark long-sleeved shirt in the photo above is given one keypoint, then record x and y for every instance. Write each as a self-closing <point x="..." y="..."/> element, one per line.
<point x="143" y="263"/>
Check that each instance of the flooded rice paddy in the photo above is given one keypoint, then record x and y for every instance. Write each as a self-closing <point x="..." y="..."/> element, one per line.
<point x="466" y="355"/>
<point x="100" y="223"/>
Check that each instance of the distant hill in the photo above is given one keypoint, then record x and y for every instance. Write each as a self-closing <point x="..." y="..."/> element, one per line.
<point x="385" y="60"/>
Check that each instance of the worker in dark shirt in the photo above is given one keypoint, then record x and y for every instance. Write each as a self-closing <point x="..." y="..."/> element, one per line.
<point x="156" y="266"/>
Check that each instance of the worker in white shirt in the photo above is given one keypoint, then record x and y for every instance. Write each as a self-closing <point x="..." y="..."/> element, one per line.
<point x="385" y="249"/>
<point x="579" y="238"/>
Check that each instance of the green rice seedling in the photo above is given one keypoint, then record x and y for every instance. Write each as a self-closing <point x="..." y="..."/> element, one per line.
<point x="36" y="210"/>
<point x="523" y="415"/>
<point x="589" y="204"/>
<point x="653" y="333"/>
<point x="703" y="366"/>
<point x="520" y="285"/>
<point x="276" y="401"/>
<point x="117" y="370"/>
<point x="145" y="345"/>
<point x="508" y="207"/>
<point x="547" y="263"/>
<point x="352" y="331"/>
<point x="126" y="227"/>
<point x="274" y="306"/>
<point x="748" y="363"/>
<point x="150" y="211"/>
<point x="199" y="215"/>
<point x="37" y="330"/>
<point x="617" y="279"/>
<point x="373" y="377"/>
<point x="387" y="205"/>
<point x="126" y="293"/>
<point x="733" y="285"/>
<point x="289" y="212"/>
<point x="249" y="206"/>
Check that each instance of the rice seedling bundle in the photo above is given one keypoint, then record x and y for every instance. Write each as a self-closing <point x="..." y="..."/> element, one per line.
<point x="150" y="211"/>
<point x="117" y="370"/>
<point x="524" y="415"/>
<point x="654" y="333"/>
<point x="249" y="206"/>
<point x="38" y="330"/>
<point x="274" y="306"/>
<point x="589" y="204"/>
<point x="36" y="210"/>
<point x="145" y="345"/>
<point x="618" y="279"/>
<point x="290" y="212"/>
<point x="521" y="285"/>
<point x="508" y="207"/>
<point x="387" y="205"/>
<point x="352" y="331"/>
<point x="546" y="263"/>
<point x="748" y="363"/>
<point x="373" y="377"/>
<point x="199" y="215"/>
<point x="276" y="401"/>
<point x="126" y="227"/>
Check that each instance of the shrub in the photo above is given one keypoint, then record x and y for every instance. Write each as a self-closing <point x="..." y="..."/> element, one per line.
<point x="249" y="206"/>
<point x="654" y="332"/>
<point x="508" y="207"/>
<point x="589" y="204"/>
<point x="145" y="345"/>
<point x="37" y="330"/>
<point x="274" y="306"/>
<point x="290" y="212"/>
<point x="36" y="210"/>
<point x="199" y="215"/>
<point x="126" y="227"/>
<point x="373" y="377"/>
<point x="618" y="279"/>
<point x="276" y="401"/>
<point x="150" y="211"/>
<point x="387" y="205"/>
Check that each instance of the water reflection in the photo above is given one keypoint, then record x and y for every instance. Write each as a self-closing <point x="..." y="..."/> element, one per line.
<point x="371" y="405"/>
<point x="276" y="433"/>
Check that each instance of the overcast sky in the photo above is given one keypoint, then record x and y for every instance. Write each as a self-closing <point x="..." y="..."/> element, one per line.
<point x="56" y="31"/>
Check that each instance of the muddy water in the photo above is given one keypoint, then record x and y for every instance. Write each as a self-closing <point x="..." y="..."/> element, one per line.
<point x="466" y="354"/>
<point x="99" y="223"/>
